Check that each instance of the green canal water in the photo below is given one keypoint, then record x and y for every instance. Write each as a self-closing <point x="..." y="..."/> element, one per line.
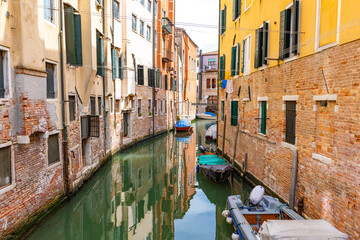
<point x="149" y="192"/>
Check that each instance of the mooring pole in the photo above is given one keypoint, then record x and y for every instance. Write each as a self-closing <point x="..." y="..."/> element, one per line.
<point x="236" y="138"/>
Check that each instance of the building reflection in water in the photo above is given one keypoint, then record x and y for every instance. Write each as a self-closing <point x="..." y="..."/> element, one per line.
<point x="139" y="194"/>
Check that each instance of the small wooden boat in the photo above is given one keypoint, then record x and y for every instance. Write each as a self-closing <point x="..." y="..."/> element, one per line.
<point x="266" y="218"/>
<point x="207" y="115"/>
<point x="183" y="126"/>
<point x="214" y="167"/>
<point x="211" y="133"/>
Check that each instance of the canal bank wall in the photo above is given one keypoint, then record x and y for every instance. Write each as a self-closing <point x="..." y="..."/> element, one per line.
<point x="29" y="224"/>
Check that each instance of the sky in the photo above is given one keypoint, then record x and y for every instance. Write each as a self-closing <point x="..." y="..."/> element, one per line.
<point x="200" y="20"/>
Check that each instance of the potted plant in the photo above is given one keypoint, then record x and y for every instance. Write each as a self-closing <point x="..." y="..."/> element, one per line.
<point x="139" y="114"/>
<point x="150" y="113"/>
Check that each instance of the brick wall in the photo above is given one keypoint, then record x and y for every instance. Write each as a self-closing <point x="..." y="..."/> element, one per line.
<point x="327" y="138"/>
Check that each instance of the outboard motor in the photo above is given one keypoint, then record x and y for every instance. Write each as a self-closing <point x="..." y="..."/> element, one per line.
<point x="256" y="196"/>
<point x="202" y="149"/>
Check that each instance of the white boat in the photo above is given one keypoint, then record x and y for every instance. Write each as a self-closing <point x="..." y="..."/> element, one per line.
<point x="211" y="133"/>
<point x="207" y="115"/>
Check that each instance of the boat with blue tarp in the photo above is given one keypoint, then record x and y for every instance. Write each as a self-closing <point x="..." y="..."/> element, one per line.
<point x="206" y="115"/>
<point x="183" y="126"/>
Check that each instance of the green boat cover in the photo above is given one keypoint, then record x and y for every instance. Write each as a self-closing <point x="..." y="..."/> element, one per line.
<point x="211" y="160"/>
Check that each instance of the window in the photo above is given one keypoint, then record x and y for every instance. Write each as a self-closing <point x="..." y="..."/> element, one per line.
<point x="222" y="110"/>
<point x="72" y="108"/>
<point x="92" y="106"/>
<point x="236" y="9"/>
<point x="261" y="45"/>
<point x="5" y="166"/>
<point x="140" y="75"/>
<point x="99" y="54"/>
<point x="212" y="62"/>
<point x="213" y="83"/>
<point x="165" y="106"/>
<point x="289" y="27"/>
<point x="156" y="7"/>
<point x="117" y="105"/>
<point x="290" y="122"/>
<point x="248" y="4"/>
<point x="49" y="13"/>
<point x="116" y="9"/>
<point x="99" y="106"/>
<point x="133" y="104"/>
<point x="121" y="67"/>
<point x="222" y="67"/>
<point x="53" y="149"/>
<point x="235" y="60"/>
<point x="234" y="113"/>
<point x="139" y="108"/>
<point x="134" y="22"/>
<point x="73" y="40"/>
<point x="3" y="73"/>
<point x="262" y="117"/>
<point x="114" y="62"/>
<point x="208" y="85"/>
<point x="151" y="77"/>
<point x="149" y="5"/>
<point x="246" y="58"/>
<point x="166" y="82"/>
<point x="223" y="20"/>
<point x="99" y="1"/>
<point x="141" y="28"/>
<point x="50" y="80"/>
<point x="149" y="107"/>
<point x="142" y="2"/>
<point x="148" y="34"/>
<point x="156" y="107"/>
<point x="111" y="105"/>
<point x="161" y="107"/>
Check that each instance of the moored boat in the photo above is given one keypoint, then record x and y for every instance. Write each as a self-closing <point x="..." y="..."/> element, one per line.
<point x="206" y="115"/>
<point x="211" y="133"/>
<point x="214" y="167"/>
<point x="183" y="126"/>
<point x="266" y="218"/>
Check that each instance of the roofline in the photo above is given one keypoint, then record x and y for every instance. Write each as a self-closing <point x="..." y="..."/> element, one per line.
<point x="184" y="31"/>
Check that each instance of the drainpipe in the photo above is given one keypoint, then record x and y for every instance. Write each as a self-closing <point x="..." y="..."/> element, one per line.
<point x="154" y="67"/>
<point x="104" y="77"/>
<point x="217" y="87"/>
<point x="174" y="87"/>
<point x="65" y="146"/>
<point x="200" y="79"/>
<point x="293" y="179"/>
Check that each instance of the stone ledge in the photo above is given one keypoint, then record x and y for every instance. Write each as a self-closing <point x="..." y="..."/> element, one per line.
<point x="323" y="159"/>
<point x="325" y="97"/>
<point x="288" y="145"/>
<point x="263" y="99"/>
<point x="290" y="98"/>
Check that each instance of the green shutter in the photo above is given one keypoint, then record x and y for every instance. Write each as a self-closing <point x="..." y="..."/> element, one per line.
<point x="99" y="55"/>
<point x="2" y="83"/>
<point x="220" y="68"/>
<point x="157" y="79"/>
<point x="265" y="43"/>
<point x="238" y="7"/>
<point x="78" y="40"/>
<point x="243" y="57"/>
<point x="70" y="35"/>
<point x="102" y="57"/>
<point x="238" y="59"/>
<point x="225" y="19"/>
<point x="121" y="68"/>
<point x="263" y="117"/>
<point x="233" y="60"/>
<point x="224" y="67"/>
<point x="113" y="63"/>
<point x="285" y="23"/>
<point x="234" y="9"/>
<point x="234" y="113"/>
<point x="296" y="10"/>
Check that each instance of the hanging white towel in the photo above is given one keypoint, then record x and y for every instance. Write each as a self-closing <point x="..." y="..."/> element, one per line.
<point x="229" y="87"/>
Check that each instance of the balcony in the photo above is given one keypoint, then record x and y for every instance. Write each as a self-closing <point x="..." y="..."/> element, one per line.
<point x="167" y="26"/>
<point x="167" y="56"/>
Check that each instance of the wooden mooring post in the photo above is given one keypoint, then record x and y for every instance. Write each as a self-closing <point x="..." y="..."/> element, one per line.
<point x="236" y="138"/>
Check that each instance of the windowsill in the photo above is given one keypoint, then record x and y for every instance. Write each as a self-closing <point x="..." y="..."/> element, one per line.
<point x="288" y="145"/>
<point x="140" y="117"/>
<point x="292" y="58"/>
<point x="52" y="100"/>
<point x="51" y="24"/>
<point x="262" y="67"/>
<point x="142" y="35"/>
<point x="330" y="45"/>
<point x="4" y="101"/>
<point x="150" y="116"/>
<point x="8" y="188"/>
<point x="53" y="165"/>
<point x="262" y="135"/>
<point x="248" y="7"/>
<point x="117" y="19"/>
<point x="134" y="31"/>
<point x="148" y="40"/>
<point x="238" y="17"/>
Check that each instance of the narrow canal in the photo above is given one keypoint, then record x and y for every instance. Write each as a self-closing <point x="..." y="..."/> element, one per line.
<point x="151" y="191"/>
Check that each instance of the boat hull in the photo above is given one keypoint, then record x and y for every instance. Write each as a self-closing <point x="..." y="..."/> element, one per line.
<point x="183" y="129"/>
<point x="205" y="116"/>
<point x="217" y="173"/>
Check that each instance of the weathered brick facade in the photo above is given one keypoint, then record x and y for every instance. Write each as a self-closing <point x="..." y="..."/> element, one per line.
<point x="327" y="137"/>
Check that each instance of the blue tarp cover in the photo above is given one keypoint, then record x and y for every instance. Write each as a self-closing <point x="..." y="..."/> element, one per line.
<point x="182" y="123"/>
<point x="211" y="160"/>
<point x="211" y="114"/>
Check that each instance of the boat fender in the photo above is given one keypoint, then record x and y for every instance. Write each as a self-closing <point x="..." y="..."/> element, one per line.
<point x="197" y="168"/>
<point x="256" y="195"/>
<point x="229" y="220"/>
<point x="235" y="236"/>
<point x="225" y="213"/>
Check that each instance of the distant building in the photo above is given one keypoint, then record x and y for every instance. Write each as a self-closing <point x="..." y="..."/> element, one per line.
<point x="208" y="81"/>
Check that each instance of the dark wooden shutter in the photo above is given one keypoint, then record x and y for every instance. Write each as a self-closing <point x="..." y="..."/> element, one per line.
<point x="234" y="10"/>
<point x="50" y="92"/>
<point x="295" y="36"/>
<point x="238" y="59"/>
<point x="290" y="122"/>
<point x="238" y="7"/>
<point x="263" y="117"/>
<point x="84" y="127"/>
<point x="243" y="57"/>
<point x="140" y="71"/>
<point x="265" y="43"/>
<point x="2" y="78"/>
<point x="233" y="60"/>
<point x="234" y="113"/>
<point x="220" y="68"/>
<point x="121" y="67"/>
<point x="78" y="40"/>
<point x="222" y="21"/>
<point x="70" y="35"/>
<point x="113" y="63"/>
<point x="166" y="82"/>
<point x="284" y="43"/>
<point x="258" y="47"/>
<point x="99" y="55"/>
<point x="224" y="66"/>
<point x="72" y="108"/>
<point x="151" y="77"/>
<point x="157" y="78"/>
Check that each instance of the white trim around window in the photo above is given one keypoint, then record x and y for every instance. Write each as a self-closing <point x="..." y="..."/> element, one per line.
<point x="7" y="75"/>
<point x="12" y="159"/>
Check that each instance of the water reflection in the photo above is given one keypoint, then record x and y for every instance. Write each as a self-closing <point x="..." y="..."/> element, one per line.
<point x="149" y="192"/>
